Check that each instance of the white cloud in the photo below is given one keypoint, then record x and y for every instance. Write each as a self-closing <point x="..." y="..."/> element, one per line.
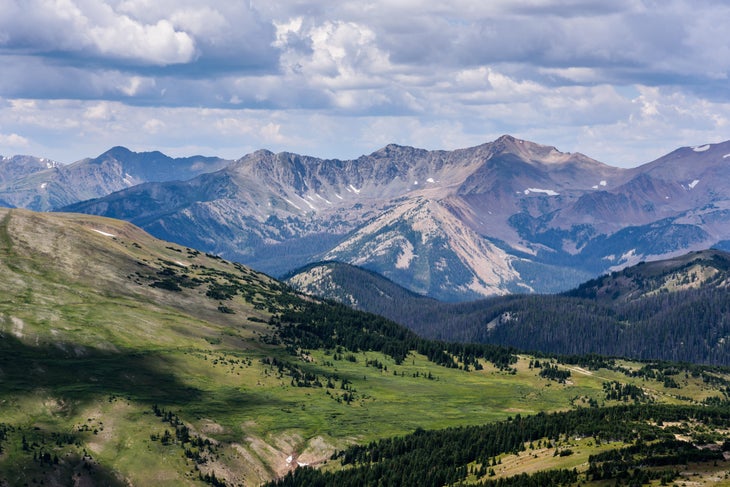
<point x="87" y="27"/>
<point x="340" y="78"/>
<point x="99" y="111"/>
<point x="153" y="126"/>
<point x="159" y="43"/>
<point x="135" y="85"/>
<point x="265" y="131"/>
<point x="332" y="55"/>
<point x="13" y="141"/>
<point x="202" y="22"/>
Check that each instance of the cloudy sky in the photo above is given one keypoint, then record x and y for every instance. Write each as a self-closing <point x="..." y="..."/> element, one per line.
<point x="623" y="81"/>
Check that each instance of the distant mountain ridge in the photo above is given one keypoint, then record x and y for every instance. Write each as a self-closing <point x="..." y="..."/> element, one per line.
<point x="42" y="185"/>
<point x="410" y="214"/>
<point x="505" y="216"/>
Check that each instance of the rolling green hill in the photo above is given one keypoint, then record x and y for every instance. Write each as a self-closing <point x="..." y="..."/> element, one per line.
<point x="126" y="360"/>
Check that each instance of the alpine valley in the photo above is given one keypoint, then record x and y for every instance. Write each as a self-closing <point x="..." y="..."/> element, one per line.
<point x="130" y="361"/>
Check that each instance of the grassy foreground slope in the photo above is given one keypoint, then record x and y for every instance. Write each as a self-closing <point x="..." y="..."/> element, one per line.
<point x="125" y="360"/>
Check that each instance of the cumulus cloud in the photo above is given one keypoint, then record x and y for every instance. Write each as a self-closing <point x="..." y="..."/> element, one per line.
<point x="334" y="54"/>
<point x="137" y="34"/>
<point x="157" y="43"/>
<point x="92" y="28"/>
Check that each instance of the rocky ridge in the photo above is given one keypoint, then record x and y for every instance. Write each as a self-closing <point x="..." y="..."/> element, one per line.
<point x="505" y="216"/>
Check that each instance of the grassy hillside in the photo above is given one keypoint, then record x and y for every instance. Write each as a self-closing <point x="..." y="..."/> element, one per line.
<point x="125" y="360"/>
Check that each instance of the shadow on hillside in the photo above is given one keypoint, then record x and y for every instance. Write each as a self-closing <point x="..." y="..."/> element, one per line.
<point x="146" y="378"/>
<point x="50" y="455"/>
<point x="59" y="455"/>
<point x="93" y="375"/>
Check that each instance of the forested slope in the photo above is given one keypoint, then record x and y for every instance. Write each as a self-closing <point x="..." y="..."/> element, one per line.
<point x="677" y="309"/>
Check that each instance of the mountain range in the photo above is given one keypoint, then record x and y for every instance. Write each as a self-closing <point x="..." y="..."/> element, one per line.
<point x="503" y="217"/>
<point x="42" y="184"/>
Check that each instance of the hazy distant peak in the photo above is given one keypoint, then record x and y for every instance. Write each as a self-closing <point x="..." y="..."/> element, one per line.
<point x="116" y="152"/>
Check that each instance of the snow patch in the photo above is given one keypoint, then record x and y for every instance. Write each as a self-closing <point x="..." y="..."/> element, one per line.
<point x="430" y="180"/>
<point x="354" y="189"/>
<point x="310" y="205"/>
<point x="324" y="199"/>
<point x="340" y="197"/>
<point x="726" y="156"/>
<point x="628" y="255"/>
<point x="104" y="233"/>
<point x="603" y="182"/>
<point x="292" y="204"/>
<point x="701" y="148"/>
<point x="548" y="192"/>
<point x="44" y="185"/>
<point x="49" y="163"/>
<point x="693" y="184"/>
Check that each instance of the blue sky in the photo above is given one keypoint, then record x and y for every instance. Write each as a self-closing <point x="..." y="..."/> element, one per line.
<point x="624" y="81"/>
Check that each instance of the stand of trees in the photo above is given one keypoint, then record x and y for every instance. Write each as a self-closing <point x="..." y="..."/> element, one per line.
<point x="311" y="325"/>
<point x="437" y="458"/>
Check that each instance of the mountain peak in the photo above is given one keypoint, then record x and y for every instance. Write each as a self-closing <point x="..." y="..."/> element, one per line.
<point x="507" y="139"/>
<point x="116" y="152"/>
<point x="391" y="150"/>
<point x="263" y="153"/>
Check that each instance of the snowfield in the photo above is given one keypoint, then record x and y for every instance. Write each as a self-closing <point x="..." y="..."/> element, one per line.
<point x="548" y="192"/>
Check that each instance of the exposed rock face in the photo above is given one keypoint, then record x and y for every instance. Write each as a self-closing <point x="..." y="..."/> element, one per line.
<point x="509" y="215"/>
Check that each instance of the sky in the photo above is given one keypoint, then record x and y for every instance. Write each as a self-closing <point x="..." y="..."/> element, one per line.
<point x="622" y="81"/>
